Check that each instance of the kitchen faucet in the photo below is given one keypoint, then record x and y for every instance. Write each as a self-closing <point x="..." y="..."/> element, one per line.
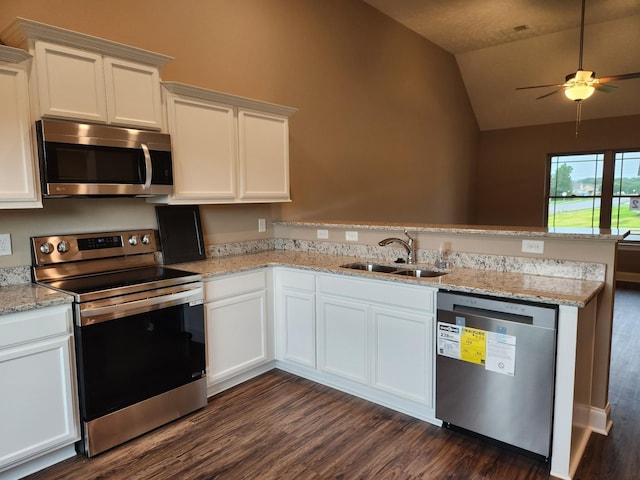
<point x="409" y="245"/>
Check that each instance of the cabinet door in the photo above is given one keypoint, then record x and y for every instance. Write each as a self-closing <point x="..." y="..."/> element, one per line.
<point x="402" y="349"/>
<point x="132" y="94"/>
<point x="18" y="181"/>
<point x="343" y="347"/>
<point x="296" y="328"/>
<point x="70" y="83"/>
<point x="38" y="399"/>
<point x="264" y="156"/>
<point x="204" y="143"/>
<point x="236" y="335"/>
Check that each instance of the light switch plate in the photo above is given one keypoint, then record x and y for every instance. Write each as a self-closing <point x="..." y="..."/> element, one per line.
<point x="5" y="244"/>
<point x="321" y="233"/>
<point x="262" y="225"/>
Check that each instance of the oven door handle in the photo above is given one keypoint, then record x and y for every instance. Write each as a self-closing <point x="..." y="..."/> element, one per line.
<point x="93" y="315"/>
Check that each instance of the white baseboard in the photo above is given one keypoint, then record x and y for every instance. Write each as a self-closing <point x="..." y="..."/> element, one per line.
<point x="600" y="420"/>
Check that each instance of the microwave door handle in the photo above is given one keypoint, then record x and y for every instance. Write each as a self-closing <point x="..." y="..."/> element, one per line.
<point x="147" y="165"/>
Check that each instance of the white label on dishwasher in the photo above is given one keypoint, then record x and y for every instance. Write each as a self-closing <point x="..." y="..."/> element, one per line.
<point x="501" y="353"/>
<point x="449" y="340"/>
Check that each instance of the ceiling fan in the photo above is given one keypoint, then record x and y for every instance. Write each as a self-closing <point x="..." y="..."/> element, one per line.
<point x="580" y="85"/>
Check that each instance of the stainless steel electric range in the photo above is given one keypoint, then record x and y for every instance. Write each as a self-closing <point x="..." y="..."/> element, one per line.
<point x="139" y="332"/>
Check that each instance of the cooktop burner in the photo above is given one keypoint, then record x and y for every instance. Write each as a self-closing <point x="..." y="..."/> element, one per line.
<point x="114" y="280"/>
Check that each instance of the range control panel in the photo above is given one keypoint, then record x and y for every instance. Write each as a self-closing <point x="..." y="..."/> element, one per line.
<point x="90" y="246"/>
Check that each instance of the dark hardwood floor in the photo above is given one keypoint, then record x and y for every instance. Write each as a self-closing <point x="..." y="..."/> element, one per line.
<point x="279" y="426"/>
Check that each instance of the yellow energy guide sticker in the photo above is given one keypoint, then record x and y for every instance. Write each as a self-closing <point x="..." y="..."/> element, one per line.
<point x="473" y="345"/>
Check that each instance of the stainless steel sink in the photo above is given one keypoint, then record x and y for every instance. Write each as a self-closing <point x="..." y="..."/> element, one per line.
<point x="370" y="267"/>
<point x="395" y="269"/>
<point x="419" y="273"/>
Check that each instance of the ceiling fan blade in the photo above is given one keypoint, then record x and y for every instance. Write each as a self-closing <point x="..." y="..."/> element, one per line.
<point x="615" y="78"/>
<point x="605" y="88"/>
<point x="540" y="86"/>
<point x="550" y="93"/>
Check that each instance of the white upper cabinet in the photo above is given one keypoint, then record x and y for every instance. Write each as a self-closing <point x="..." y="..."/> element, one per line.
<point x="19" y="179"/>
<point x="264" y="156"/>
<point x="226" y="149"/>
<point x="70" y="83"/>
<point x="81" y="77"/>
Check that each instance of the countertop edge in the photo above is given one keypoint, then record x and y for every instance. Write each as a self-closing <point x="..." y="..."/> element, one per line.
<point x="593" y="234"/>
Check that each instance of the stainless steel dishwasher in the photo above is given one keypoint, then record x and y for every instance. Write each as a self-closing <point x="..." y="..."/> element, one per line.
<point x="495" y="368"/>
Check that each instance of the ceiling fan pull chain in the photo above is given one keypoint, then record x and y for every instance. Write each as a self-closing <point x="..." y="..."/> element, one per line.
<point x="578" y="115"/>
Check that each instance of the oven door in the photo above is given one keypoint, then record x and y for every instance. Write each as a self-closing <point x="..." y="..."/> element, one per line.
<point x="136" y="350"/>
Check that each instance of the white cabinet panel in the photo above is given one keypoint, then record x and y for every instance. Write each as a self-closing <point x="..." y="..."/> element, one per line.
<point x="203" y="137"/>
<point x="238" y="328"/>
<point x="38" y="407"/>
<point x="70" y="83"/>
<point x="297" y="326"/>
<point x="133" y="94"/>
<point x="39" y="411"/>
<point x="343" y="339"/>
<point x="264" y="156"/>
<point x="19" y="178"/>
<point x="236" y="335"/>
<point x="402" y="346"/>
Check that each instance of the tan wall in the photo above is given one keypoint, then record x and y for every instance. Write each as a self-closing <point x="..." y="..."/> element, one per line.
<point x="220" y="223"/>
<point x="384" y="126"/>
<point x="512" y="163"/>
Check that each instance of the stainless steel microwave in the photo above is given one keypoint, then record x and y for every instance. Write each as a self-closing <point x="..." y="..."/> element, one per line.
<point x="80" y="159"/>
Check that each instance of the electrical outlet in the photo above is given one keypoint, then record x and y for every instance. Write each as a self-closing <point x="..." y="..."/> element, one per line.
<point x="533" y="246"/>
<point x="5" y="244"/>
<point x="351" y="236"/>
<point x="322" y="233"/>
<point x="262" y="225"/>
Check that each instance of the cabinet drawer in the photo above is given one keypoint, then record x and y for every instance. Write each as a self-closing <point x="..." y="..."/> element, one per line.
<point x="297" y="280"/>
<point x="228" y="285"/>
<point x="23" y="327"/>
<point x="378" y="291"/>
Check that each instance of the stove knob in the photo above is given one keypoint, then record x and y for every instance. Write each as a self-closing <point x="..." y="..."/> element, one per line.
<point x="146" y="239"/>
<point x="133" y="240"/>
<point x="63" y="246"/>
<point x="46" y="248"/>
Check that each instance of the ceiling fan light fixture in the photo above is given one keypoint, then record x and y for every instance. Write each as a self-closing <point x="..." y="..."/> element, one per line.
<point x="579" y="92"/>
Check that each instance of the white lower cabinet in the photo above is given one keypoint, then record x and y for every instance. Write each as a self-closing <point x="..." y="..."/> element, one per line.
<point x="39" y="413"/>
<point x="372" y="338"/>
<point x="402" y="354"/>
<point x="343" y="334"/>
<point x="296" y="318"/>
<point x="237" y="328"/>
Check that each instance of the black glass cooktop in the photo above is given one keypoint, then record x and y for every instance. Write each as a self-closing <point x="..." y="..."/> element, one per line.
<point x="117" y="280"/>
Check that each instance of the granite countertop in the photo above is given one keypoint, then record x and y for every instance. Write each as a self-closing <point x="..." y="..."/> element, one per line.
<point x="28" y="296"/>
<point x="538" y="288"/>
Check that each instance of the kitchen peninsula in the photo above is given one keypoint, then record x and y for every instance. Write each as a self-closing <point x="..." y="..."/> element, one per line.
<point x="575" y="272"/>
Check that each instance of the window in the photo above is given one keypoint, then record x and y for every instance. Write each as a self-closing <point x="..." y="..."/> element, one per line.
<point x="595" y="190"/>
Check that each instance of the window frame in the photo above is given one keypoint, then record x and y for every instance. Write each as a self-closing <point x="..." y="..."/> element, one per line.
<point x="608" y="178"/>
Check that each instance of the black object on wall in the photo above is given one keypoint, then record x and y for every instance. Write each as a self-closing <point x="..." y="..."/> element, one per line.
<point x="180" y="233"/>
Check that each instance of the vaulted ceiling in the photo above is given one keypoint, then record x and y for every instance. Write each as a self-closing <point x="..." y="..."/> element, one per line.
<point x="503" y="44"/>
